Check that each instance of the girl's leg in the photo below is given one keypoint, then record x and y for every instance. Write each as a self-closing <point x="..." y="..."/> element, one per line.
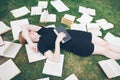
<point x="105" y="52"/>
<point x="103" y="43"/>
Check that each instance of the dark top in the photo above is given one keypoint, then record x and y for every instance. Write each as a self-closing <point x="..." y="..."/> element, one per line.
<point x="79" y="44"/>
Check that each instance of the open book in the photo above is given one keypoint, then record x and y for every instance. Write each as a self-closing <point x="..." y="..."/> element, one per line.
<point x="36" y="10"/>
<point x="71" y="77"/>
<point x="110" y="67"/>
<point x="10" y="49"/>
<point x="85" y="18"/>
<point x="16" y="27"/>
<point x="46" y="17"/>
<point x="104" y="24"/>
<point x="88" y="11"/>
<point x="8" y="70"/>
<point x="68" y="19"/>
<point x="59" y="29"/>
<point x="94" y="29"/>
<point x="54" y="68"/>
<point x="32" y="56"/>
<point x="3" y="27"/>
<point x="20" y="11"/>
<point x="59" y="5"/>
<point x="1" y="41"/>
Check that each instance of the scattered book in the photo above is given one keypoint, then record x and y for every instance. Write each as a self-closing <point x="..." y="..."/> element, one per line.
<point x="94" y="29"/>
<point x="3" y="28"/>
<point x="20" y="11"/>
<point x="8" y="70"/>
<point x="85" y="18"/>
<point x="112" y="39"/>
<point x="71" y="77"/>
<point x="16" y="27"/>
<point x="46" y="17"/>
<point x="88" y="11"/>
<point x="104" y="24"/>
<point x="59" y="29"/>
<point x="68" y="19"/>
<point x="36" y="10"/>
<point x="44" y="78"/>
<point x="10" y="49"/>
<point x="54" y="68"/>
<point x="110" y="67"/>
<point x="1" y="41"/>
<point x="32" y="56"/>
<point x="43" y="4"/>
<point x="59" y="5"/>
<point x="50" y="26"/>
<point x="80" y="27"/>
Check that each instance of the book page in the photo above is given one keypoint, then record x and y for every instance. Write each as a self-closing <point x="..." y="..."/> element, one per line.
<point x="53" y="68"/>
<point x="36" y="10"/>
<point x="44" y="16"/>
<point x="12" y="50"/>
<point x="4" y="47"/>
<point x="85" y="18"/>
<point x="71" y="77"/>
<point x="1" y="41"/>
<point x="11" y="67"/>
<point x="3" y="28"/>
<point x="20" y="11"/>
<point x="59" y="6"/>
<point x="50" y="26"/>
<point x="32" y="56"/>
<point x="78" y="27"/>
<point x="44" y="79"/>
<point x="110" y="67"/>
<point x="43" y="4"/>
<point x="16" y="27"/>
<point x="51" y="18"/>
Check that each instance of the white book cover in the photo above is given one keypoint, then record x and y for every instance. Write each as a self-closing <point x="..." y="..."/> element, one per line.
<point x="8" y="70"/>
<point x="59" y="5"/>
<point x="44" y="78"/>
<point x="54" y="68"/>
<point x="46" y="17"/>
<point x="10" y="49"/>
<point x="16" y="27"/>
<point x="71" y="77"/>
<point x="103" y="23"/>
<point x="36" y="10"/>
<point x="110" y="67"/>
<point x="1" y="41"/>
<point x="109" y="37"/>
<point x="32" y="56"/>
<point x="85" y="18"/>
<point x="3" y="27"/>
<point x="76" y="26"/>
<point x="69" y="17"/>
<point x="43" y="4"/>
<point x="20" y="11"/>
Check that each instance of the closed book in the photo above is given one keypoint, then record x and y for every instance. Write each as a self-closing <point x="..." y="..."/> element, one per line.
<point x="59" y="29"/>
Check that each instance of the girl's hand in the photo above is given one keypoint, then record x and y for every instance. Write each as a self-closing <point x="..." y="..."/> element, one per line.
<point x="60" y="36"/>
<point x="34" y="47"/>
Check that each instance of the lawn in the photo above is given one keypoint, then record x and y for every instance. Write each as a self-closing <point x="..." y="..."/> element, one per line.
<point x="85" y="68"/>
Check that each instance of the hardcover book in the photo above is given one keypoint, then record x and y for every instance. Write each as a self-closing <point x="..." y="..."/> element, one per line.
<point x="59" y="29"/>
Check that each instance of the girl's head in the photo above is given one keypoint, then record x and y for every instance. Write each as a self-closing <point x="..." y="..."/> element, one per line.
<point x="34" y="36"/>
<point x="22" y="39"/>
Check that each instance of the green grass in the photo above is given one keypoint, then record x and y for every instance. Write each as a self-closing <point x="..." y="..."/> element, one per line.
<point x="85" y="68"/>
